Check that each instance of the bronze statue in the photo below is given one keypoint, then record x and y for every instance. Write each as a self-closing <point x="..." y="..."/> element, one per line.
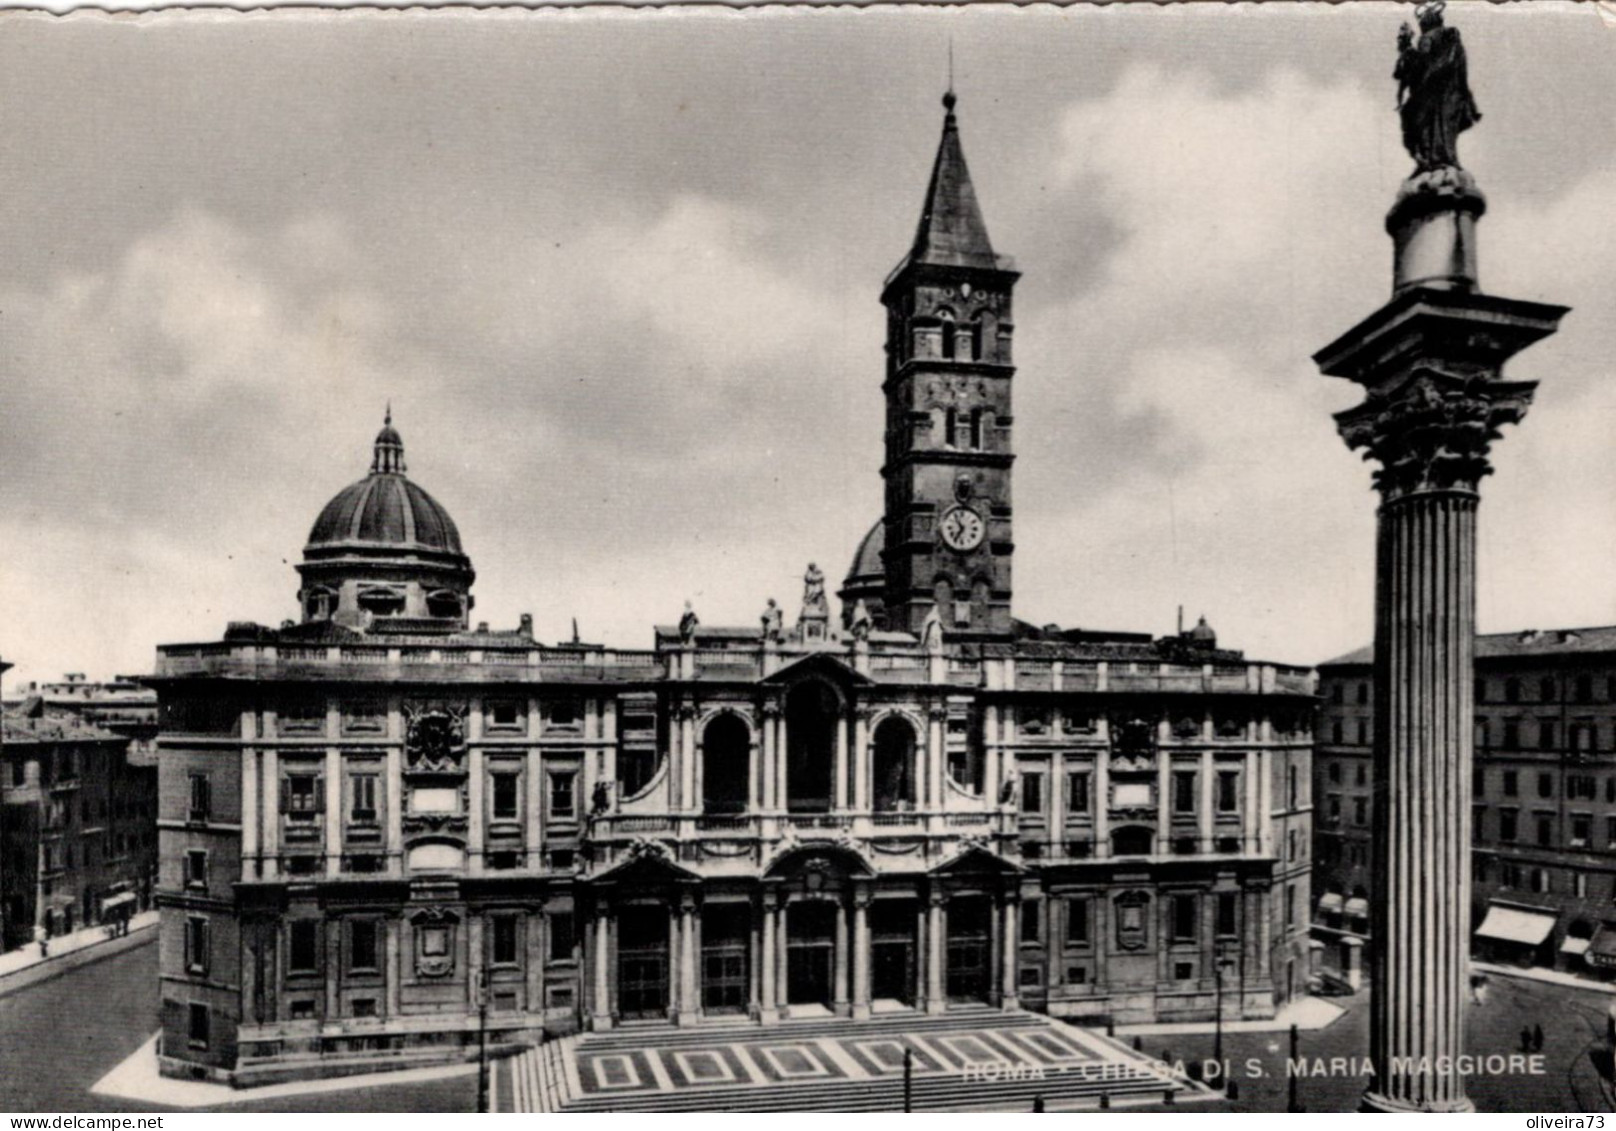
<point x="1433" y="90"/>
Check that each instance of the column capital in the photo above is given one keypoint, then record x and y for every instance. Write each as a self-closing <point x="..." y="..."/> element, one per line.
<point x="938" y="712"/>
<point x="862" y="896"/>
<point x="862" y="712"/>
<point x="936" y="897"/>
<point x="771" y="708"/>
<point x="1433" y="431"/>
<point x="687" y="903"/>
<point x="687" y="711"/>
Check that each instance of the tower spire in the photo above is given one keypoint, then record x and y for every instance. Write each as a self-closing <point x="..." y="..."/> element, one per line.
<point x="952" y="232"/>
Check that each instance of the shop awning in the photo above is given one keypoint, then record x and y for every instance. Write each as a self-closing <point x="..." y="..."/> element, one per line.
<point x="1516" y="924"/>
<point x="1357" y="909"/>
<point x="113" y="902"/>
<point x="1330" y="901"/>
<point x="1574" y="946"/>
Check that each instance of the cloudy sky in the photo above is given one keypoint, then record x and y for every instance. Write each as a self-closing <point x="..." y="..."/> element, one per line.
<point x="618" y="274"/>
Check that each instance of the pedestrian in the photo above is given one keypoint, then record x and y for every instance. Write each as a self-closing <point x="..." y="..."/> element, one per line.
<point x="1537" y="1038"/>
<point x="1526" y="1040"/>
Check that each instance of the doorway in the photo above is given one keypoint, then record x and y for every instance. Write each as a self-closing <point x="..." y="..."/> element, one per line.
<point x="810" y="952"/>
<point x="970" y="949"/>
<point x="893" y="969"/>
<point x="726" y="930"/>
<point x="642" y="962"/>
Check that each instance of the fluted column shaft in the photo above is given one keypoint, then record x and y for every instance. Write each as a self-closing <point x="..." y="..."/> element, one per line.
<point x="1424" y="649"/>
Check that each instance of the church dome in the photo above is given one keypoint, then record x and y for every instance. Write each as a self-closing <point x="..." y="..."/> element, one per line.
<point x="385" y="508"/>
<point x="867" y="566"/>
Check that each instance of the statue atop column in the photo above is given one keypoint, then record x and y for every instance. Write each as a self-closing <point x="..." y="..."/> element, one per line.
<point x="688" y="624"/>
<point x="1433" y="90"/>
<point x="861" y="621"/>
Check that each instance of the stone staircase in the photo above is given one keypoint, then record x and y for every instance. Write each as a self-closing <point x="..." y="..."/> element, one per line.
<point x="545" y="1078"/>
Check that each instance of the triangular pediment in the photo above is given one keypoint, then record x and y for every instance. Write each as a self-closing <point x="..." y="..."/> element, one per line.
<point x="825" y="664"/>
<point x="977" y="858"/>
<point x="646" y="861"/>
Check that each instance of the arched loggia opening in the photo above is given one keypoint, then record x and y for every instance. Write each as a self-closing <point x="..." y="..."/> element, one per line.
<point x="812" y="716"/>
<point x="726" y="749"/>
<point x="894" y="767"/>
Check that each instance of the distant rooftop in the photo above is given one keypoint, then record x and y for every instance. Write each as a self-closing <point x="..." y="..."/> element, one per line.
<point x="1527" y="643"/>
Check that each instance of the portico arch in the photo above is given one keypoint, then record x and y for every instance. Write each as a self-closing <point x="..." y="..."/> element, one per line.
<point x="726" y="752"/>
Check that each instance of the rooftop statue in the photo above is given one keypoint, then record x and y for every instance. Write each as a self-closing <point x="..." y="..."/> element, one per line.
<point x="688" y="623"/>
<point x="813" y="592"/>
<point x="1433" y="90"/>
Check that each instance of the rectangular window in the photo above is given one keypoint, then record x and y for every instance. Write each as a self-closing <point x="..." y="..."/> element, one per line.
<point x="1547" y="733"/>
<point x="561" y="943"/>
<point x="196" y="945"/>
<point x="1360" y="811"/>
<point x="563" y="805"/>
<point x="196" y="868"/>
<point x="362" y="949"/>
<point x="1290" y="845"/>
<point x="1032" y="921"/>
<point x="1077" y="792"/>
<point x="1227" y="908"/>
<point x="1478" y="781"/>
<point x="1290" y="787"/>
<point x="1512" y="783"/>
<point x="1545" y="831"/>
<point x="304" y="956"/>
<point x="505" y="795"/>
<point x="197" y="1026"/>
<point x="364" y="717"/>
<point x="1333" y="806"/>
<point x="1032" y="794"/>
<point x="1229" y="788"/>
<point x="364" y="1007"/>
<point x="1610" y="831"/>
<point x="506" y="714"/>
<point x="1183" y="918"/>
<point x="1184" y="971"/>
<point x="201" y="807"/>
<point x="1507" y="831"/>
<point x="1545" y="785"/>
<point x="504" y="944"/>
<point x="364" y="797"/>
<point x="563" y="713"/>
<point x="1184" y="791"/>
<point x="19" y="772"/>
<point x="1077" y="922"/>
<point x="1579" y="884"/>
<point x="302" y="716"/>
<point x="1290" y="907"/>
<point x="301" y="796"/>
<point x="1512" y="734"/>
<point x="1581" y="829"/>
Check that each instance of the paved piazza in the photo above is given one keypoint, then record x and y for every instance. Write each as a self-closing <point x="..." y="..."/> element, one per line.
<point x="978" y="1058"/>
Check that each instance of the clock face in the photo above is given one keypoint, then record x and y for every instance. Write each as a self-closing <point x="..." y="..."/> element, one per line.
<point x="962" y="529"/>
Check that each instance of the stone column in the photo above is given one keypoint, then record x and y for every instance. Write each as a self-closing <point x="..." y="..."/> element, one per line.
<point x="249" y="814"/>
<point x="768" y="1010"/>
<point x="770" y="801"/>
<point x="688" y="801"/>
<point x="333" y="812"/>
<point x="936" y="1002"/>
<point x="395" y="811"/>
<point x="476" y="838"/>
<point x="393" y="972"/>
<point x="1431" y="362"/>
<point x="602" y="1016"/>
<point x="1208" y="800"/>
<point x="270" y="840"/>
<point x="689" y="987"/>
<point x="861" y="758"/>
<point x="839" y="1000"/>
<point x="861" y="953"/>
<point x="1011" y="995"/>
<point x="839" y="784"/>
<point x="1102" y="799"/>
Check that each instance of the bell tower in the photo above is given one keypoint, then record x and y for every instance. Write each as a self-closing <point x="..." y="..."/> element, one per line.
<point x="948" y="538"/>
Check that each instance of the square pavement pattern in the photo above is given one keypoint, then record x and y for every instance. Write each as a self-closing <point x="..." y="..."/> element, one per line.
<point x="978" y="1058"/>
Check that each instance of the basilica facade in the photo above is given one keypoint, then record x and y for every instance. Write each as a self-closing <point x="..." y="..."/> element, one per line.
<point x="387" y="831"/>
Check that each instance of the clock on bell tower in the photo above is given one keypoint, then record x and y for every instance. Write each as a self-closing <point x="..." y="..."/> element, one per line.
<point x="947" y="536"/>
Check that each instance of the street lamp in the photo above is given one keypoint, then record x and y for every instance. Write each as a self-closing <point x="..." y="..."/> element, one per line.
<point x="1218" y="965"/>
<point x="482" y="1041"/>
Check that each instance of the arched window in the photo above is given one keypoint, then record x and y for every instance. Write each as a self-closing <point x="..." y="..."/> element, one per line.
<point x="812" y="716"/>
<point x="726" y="756"/>
<point x="950" y="427"/>
<point x="443" y="603"/>
<point x="948" y="343"/>
<point x="976" y="429"/>
<point x="894" y="767"/>
<point x="976" y="340"/>
<point x="382" y="602"/>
